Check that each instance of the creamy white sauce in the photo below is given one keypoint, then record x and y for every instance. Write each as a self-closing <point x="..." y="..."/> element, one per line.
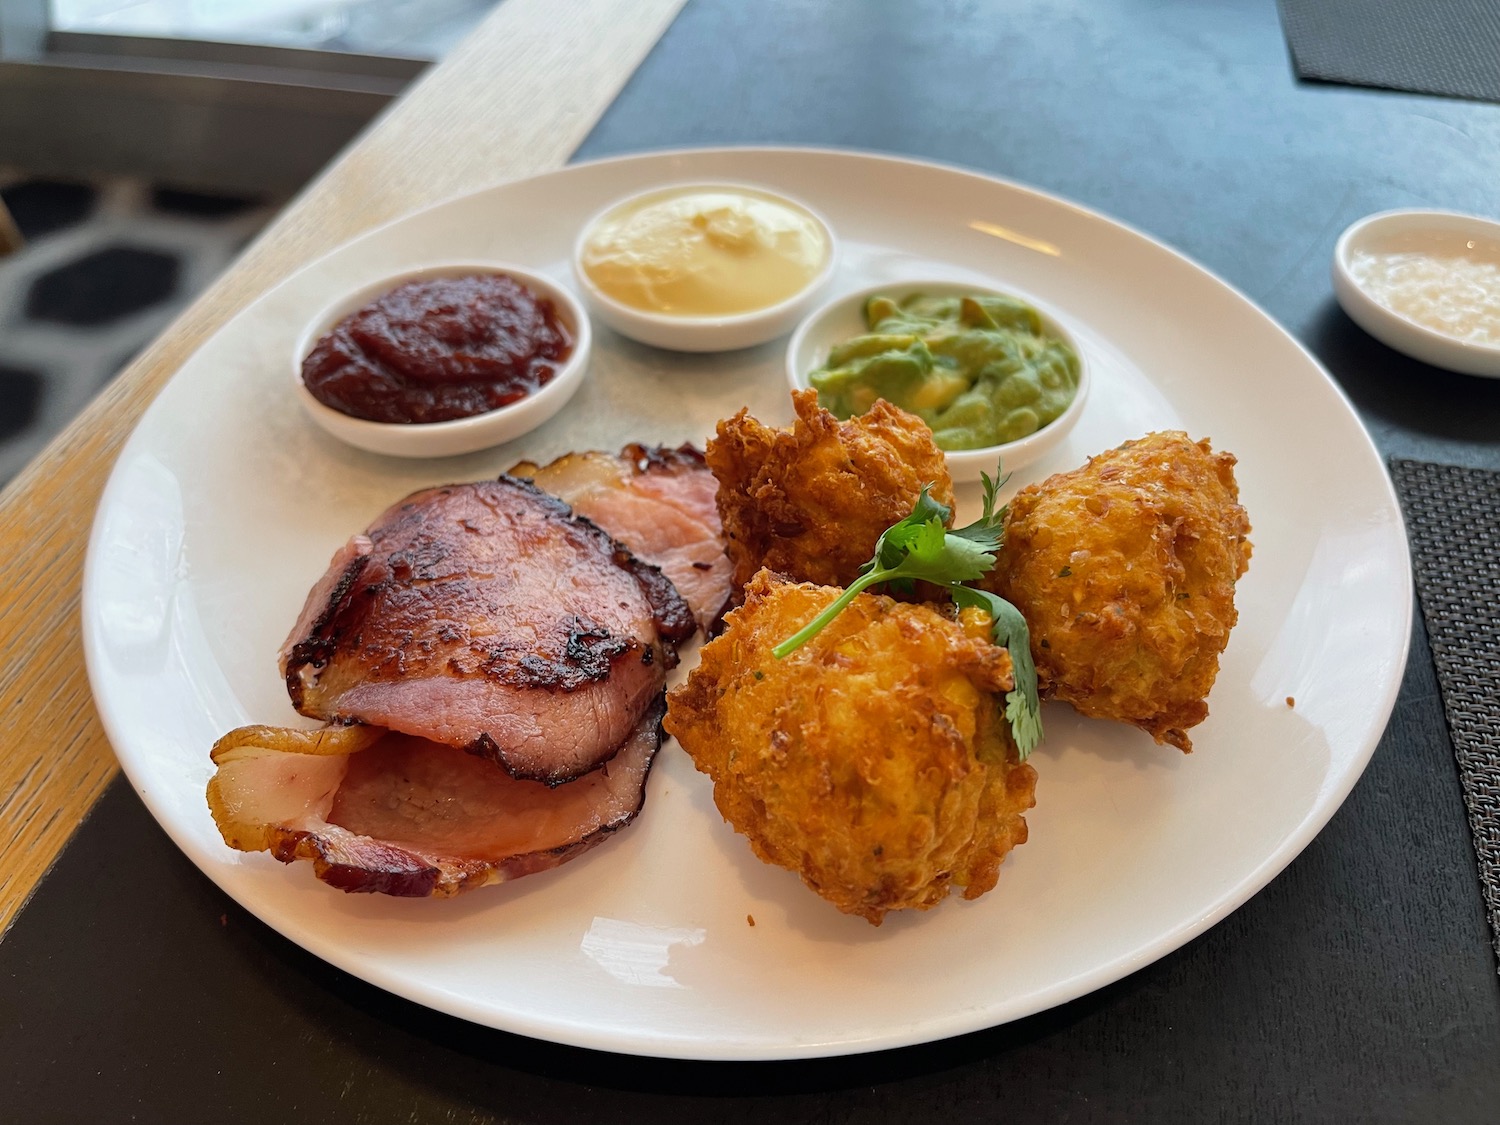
<point x="1458" y="296"/>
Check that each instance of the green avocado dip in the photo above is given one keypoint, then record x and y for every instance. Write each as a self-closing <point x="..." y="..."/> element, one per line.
<point x="978" y="369"/>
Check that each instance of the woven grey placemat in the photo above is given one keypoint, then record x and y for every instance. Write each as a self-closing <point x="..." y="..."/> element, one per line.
<point x="1425" y="46"/>
<point x="1453" y="521"/>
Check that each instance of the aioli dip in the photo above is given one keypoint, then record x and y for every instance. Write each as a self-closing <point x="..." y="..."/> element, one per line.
<point x="705" y="251"/>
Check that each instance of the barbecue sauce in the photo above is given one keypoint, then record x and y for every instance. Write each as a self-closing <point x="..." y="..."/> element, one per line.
<point x="437" y="349"/>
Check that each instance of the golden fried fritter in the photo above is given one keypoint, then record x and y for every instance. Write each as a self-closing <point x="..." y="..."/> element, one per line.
<point x="874" y="761"/>
<point x="810" y="502"/>
<point x="1125" y="571"/>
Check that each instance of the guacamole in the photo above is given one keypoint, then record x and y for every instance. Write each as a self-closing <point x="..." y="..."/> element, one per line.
<point x="978" y="369"/>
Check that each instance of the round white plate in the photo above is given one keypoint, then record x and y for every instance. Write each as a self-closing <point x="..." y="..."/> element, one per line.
<point x="227" y="503"/>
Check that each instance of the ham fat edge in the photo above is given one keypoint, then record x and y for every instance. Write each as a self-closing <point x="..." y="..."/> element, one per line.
<point x="491" y="670"/>
<point x="378" y="811"/>
<point x="661" y="504"/>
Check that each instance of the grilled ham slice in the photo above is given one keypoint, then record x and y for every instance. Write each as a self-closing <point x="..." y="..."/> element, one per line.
<point x="376" y="811"/>
<point x="659" y="503"/>
<point x="487" y="618"/>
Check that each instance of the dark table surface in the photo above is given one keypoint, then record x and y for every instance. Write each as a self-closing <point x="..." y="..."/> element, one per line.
<point x="1359" y="986"/>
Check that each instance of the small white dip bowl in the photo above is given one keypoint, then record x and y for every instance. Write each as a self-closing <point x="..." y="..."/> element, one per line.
<point x="460" y="435"/>
<point x="843" y="318"/>
<point x="1440" y="234"/>
<point x="703" y="333"/>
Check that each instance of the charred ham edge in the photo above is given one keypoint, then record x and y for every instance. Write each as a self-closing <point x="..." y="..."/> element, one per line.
<point x="646" y="458"/>
<point x="489" y="618"/>
<point x="671" y="612"/>
<point x="323" y="601"/>
<point x="380" y="812"/>
<point x="661" y="504"/>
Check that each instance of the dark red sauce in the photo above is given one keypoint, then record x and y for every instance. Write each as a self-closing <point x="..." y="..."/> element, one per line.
<point x="438" y="349"/>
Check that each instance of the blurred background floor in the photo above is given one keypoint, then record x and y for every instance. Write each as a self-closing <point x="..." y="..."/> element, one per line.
<point x="105" y="266"/>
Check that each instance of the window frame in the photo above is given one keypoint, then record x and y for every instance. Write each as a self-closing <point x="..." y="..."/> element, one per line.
<point x="235" y="117"/>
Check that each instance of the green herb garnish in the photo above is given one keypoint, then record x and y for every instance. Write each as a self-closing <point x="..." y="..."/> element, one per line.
<point x="922" y="548"/>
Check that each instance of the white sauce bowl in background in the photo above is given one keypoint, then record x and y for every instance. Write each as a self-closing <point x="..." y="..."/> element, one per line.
<point x="1426" y="283"/>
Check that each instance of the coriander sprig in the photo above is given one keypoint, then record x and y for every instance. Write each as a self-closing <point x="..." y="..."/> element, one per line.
<point x="921" y="547"/>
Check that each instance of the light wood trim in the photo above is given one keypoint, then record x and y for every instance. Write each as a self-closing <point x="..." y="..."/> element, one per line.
<point x="516" y="98"/>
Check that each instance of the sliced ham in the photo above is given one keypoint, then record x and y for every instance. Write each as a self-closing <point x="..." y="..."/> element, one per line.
<point x="476" y="625"/>
<point x="488" y="618"/>
<point x="660" y="504"/>
<point x="378" y="811"/>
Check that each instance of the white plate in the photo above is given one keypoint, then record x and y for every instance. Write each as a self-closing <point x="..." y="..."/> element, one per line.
<point x="227" y="503"/>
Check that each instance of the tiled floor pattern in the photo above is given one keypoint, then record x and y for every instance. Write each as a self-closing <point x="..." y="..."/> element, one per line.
<point x="105" y="267"/>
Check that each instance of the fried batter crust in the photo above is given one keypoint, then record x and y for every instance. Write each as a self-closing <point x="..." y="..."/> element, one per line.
<point x="810" y="502"/>
<point x="873" y="761"/>
<point x="1125" y="570"/>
